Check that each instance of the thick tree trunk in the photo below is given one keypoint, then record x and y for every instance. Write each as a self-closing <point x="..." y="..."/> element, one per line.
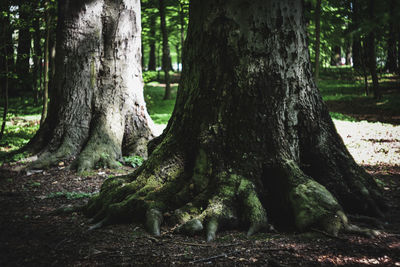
<point x="166" y="58"/>
<point x="98" y="110"/>
<point x="152" y="35"/>
<point x="317" y="38"/>
<point x="249" y="137"/>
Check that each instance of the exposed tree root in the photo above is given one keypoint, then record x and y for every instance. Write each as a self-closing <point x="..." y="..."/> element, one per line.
<point x="210" y="202"/>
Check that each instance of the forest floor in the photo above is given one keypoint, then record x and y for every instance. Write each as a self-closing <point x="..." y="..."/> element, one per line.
<point x="31" y="234"/>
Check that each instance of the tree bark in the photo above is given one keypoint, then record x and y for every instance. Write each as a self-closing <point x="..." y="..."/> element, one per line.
<point x="317" y="38"/>
<point x="37" y="59"/>
<point x="391" y="63"/>
<point x="4" y="63"/>
<point x="24" y="81"/>
<point x="152" y="35"/>
<point x="370" y="45"/>
<point x="356" y="47"/>
<point x="336" y="56"/>
<point x="98" y="111"/>
<point x="166" y="58"/>
<point x="249" y="136"/>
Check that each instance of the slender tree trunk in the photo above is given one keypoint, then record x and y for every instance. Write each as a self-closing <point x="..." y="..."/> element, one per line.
<point x="370" y="44"/>
<point x="152" y="35"/>
<point x="336" y="56"/>
<point x="391" y="63"/>
<point x="182" y="28"/>
<point x="97" y="112"/>
<point x="24" y="82"/>
<point x="4" y="62"/>
<point x="46" y="66"/>
<point x="356" y="47"/>
<point x="317" y="38"/>
<point x="166" y="58"/>
<point x="249" y="136"/>
<point x="37" y="59"/>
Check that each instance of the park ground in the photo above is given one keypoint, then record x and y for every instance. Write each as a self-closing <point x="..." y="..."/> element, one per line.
<point x="32" y="233"/>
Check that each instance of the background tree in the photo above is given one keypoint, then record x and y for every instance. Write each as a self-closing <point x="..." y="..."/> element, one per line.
<point x="249" y="137"/>
<point x="97" y="110"/>
<point x="166" y="59"/>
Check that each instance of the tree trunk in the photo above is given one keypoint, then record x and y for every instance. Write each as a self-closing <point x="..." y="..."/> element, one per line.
<point x="37" y="59"/>
<point x="370" y="45"/>
<point x="4" y="63"/>
<point x="166" y="59"/>
<point x="24" y="83"/>
<point x="46" y="65"/>
<point x="317" y="38"/>
<point x="98" y="111"/>
<point x="336" y="56"/>
<point x="391" y="63"/>
<point x="249" y="136"/>
<point x="356" y="47"/>
<point x="152" y="36"/>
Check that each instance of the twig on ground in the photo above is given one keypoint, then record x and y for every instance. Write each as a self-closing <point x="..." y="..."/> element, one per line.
<point x="223" y="255"/>
<point x="328" y="235"/>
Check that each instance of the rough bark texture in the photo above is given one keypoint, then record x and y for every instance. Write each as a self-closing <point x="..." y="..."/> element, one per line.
<point x="250" y="137"/>
<point x="97" y="111"/>
<point x="317" y="38"/>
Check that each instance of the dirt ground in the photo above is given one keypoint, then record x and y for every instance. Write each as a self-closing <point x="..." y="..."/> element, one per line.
<point x="33" y="234"/>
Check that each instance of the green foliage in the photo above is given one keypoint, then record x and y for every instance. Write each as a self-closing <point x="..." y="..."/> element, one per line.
<point x="133" y="161"/>
<point x="70" y="195"/>
<point x="341" y="117"/>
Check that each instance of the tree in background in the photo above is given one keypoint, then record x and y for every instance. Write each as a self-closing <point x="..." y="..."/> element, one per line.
<point x="24" y="81"/>
<point x="250" y="137"/>
<point x="166" y="58"/>
<point x="97" y="110"/>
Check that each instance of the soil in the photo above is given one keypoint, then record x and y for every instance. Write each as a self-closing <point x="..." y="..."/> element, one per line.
<point x="32" y="233"/>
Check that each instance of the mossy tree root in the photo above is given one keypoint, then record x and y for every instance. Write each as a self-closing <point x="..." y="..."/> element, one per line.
<point x="208" y="199"/>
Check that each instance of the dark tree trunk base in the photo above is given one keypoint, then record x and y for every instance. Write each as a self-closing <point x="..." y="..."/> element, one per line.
<point x="208" y="200"/>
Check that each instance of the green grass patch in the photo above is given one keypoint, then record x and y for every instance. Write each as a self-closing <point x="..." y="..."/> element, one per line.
<point x="160" y="110"/>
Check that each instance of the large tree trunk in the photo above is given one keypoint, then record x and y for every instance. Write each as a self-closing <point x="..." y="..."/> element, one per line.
<point x="249" y="138"/>
<point x="166" y="58"/>
<point x="317" y="38"/>
<point x="97" y="112"/>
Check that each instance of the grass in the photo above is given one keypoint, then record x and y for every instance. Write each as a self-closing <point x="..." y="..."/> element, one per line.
<point x="160" y="110"/>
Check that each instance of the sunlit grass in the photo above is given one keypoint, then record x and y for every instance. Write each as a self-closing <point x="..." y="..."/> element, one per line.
<point x="160" y="110"/>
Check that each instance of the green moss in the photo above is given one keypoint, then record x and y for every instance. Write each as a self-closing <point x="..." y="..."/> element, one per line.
<point x="311" y="202"/>
<point x="201" y="171"/>
<point x="254" y="210"/>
